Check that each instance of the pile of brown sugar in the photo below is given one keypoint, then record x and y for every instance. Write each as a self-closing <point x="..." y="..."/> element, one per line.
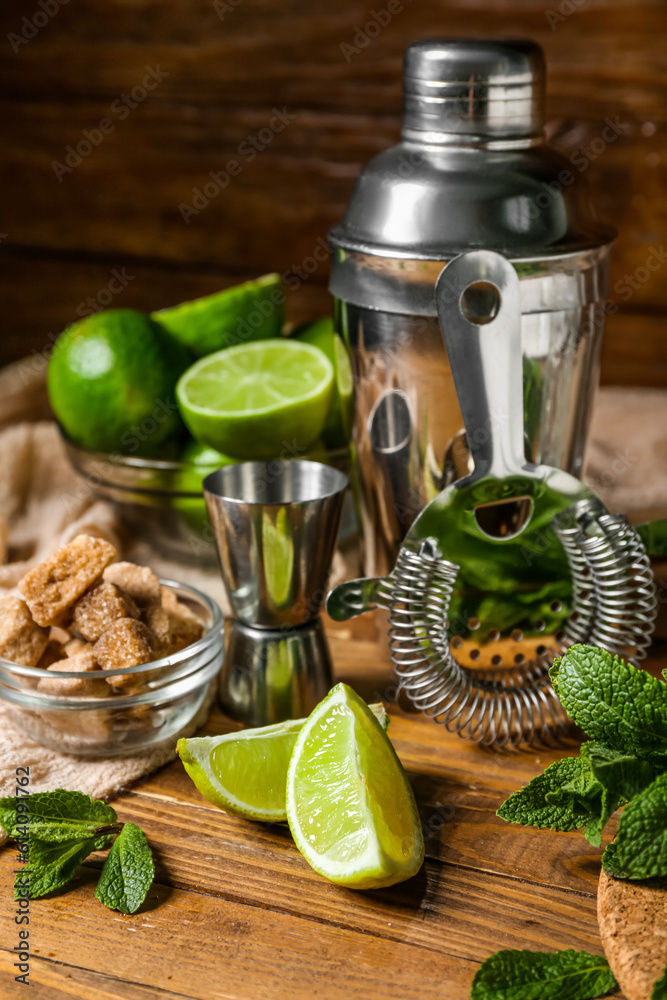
<point x="81" y="611"/>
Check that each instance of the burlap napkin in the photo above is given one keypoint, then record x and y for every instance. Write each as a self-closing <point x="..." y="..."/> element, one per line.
<point x="44" y="504"/>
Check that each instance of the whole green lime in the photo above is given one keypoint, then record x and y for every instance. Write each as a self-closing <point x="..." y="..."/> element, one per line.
<point x="112" y="379"/>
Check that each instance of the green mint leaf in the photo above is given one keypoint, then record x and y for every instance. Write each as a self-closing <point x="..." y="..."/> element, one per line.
<point x="128" y="872"/>
<point x="620" y="772"/>
<point x="654" y="536"/>
<point x="659" y="991"/>
<point x="53" y="864"/>
<point x="537" y="975"/>
<point x="8" y="814"/>
<point x="641" y="841"/>
<point x="561" y="798"/>
<point x="609" y="803"/>
<point x="611" y="700"/>
<point x="58" y="815"/>
<point x="610" y="865"/>
<point x="620" y="776"/>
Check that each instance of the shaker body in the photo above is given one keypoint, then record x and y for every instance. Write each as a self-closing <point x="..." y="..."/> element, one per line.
<point x="408" y="438"/>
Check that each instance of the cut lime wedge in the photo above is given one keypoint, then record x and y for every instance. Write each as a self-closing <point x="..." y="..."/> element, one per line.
<point x="245" y="773"/>
<point x="247" y="312"/>
<point x="258" y="401"/>
<point x="350" y="807"/>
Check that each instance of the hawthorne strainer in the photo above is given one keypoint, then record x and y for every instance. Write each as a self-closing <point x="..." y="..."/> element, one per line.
<point x="510" y="565"/>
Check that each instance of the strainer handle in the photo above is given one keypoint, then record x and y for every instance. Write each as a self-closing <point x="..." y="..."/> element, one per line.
<point x="485" y="356"/>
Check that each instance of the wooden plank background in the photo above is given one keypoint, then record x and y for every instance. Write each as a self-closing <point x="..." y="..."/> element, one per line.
<point x="219" y="69"/>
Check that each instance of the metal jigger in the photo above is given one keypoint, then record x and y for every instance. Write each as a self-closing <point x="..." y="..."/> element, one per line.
<point x="275" y="526"/>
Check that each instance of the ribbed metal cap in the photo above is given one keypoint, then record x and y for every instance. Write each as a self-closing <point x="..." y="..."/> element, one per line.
<point x="474" y="90"/>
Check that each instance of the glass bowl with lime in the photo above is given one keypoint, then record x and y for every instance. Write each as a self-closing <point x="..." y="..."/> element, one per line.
<point x="148" y="406"/>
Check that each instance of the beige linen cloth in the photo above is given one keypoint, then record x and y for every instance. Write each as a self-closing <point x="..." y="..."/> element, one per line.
<point x="43" y="504"/>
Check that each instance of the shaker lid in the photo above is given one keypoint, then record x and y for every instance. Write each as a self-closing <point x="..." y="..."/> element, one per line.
<point x="474" y="88"/>
<point x="472" y="171"/>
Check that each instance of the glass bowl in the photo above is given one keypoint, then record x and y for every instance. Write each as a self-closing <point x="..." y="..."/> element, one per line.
<point x="162" y="501"/>
<point x="174" y="689"/>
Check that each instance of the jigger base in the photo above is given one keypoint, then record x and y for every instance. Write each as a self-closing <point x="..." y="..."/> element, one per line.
<point x="269" y="676"/>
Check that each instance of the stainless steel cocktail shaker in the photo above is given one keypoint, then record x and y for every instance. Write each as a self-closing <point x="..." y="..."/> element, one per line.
<point x="472" y="172"/>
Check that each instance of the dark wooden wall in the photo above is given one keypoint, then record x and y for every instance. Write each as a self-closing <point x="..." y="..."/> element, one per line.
<point x="224" y="72"/>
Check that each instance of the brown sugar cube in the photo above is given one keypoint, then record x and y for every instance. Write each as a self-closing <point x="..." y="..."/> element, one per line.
<point x="75" y="646"/>
<point x="184" y="625"/>
<point x="99" y="607"/>
<point x="126" y="643"/>
<point x="21" y="640"/>
<point x="139" y="582"/>
<point x="52" y="654"/>
<point x="59" y="635"/>
<point x="82" y="686"/>
<point x="53" y="587"/>
<point x="157" y="620"/>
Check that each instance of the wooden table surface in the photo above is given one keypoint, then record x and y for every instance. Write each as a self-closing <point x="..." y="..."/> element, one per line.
<point x="236" y="912"/>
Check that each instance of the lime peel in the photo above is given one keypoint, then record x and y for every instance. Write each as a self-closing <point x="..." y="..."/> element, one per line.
<point x="244" y="773"/>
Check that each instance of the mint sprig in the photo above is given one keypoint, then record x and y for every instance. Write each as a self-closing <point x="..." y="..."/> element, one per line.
<point x="62" y="828"/>
<point x="624" y="710"/>
<point x="536" y="975"/>
<point x="128" y="872"/>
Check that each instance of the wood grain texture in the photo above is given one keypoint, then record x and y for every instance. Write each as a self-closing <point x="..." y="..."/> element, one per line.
<point x="222" y="80"/>
<point x="237" y="913"/>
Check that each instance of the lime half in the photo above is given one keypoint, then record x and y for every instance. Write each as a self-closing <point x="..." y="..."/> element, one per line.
<point x="338" y="425"/>
<point x="258" y="401"/>
<point x="245" y="773"/>
<point x="247" y="312"/>
<point x="350" y="807"/>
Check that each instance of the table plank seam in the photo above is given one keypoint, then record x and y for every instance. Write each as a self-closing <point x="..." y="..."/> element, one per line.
<point x="103" y="975"/>
<point x="335" y="924"/>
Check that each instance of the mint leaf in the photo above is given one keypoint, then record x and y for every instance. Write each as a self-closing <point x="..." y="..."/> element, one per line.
<point x="620" y="776"/>
<point x="537" y="975"/>
<point x="641" y="841"/>
<point x="561" y="798"/>
<point x="620" y="772"/>
<point x="654" y="536"/>
<point x="128" y="872"/>
<point x="57" y="815"/>
<point x="610" y="863"/>
<point x="611" y="700"/>
<point x="8" y="814"/>
<point x="53" y="864"/>
<point x="659" y="991"/>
